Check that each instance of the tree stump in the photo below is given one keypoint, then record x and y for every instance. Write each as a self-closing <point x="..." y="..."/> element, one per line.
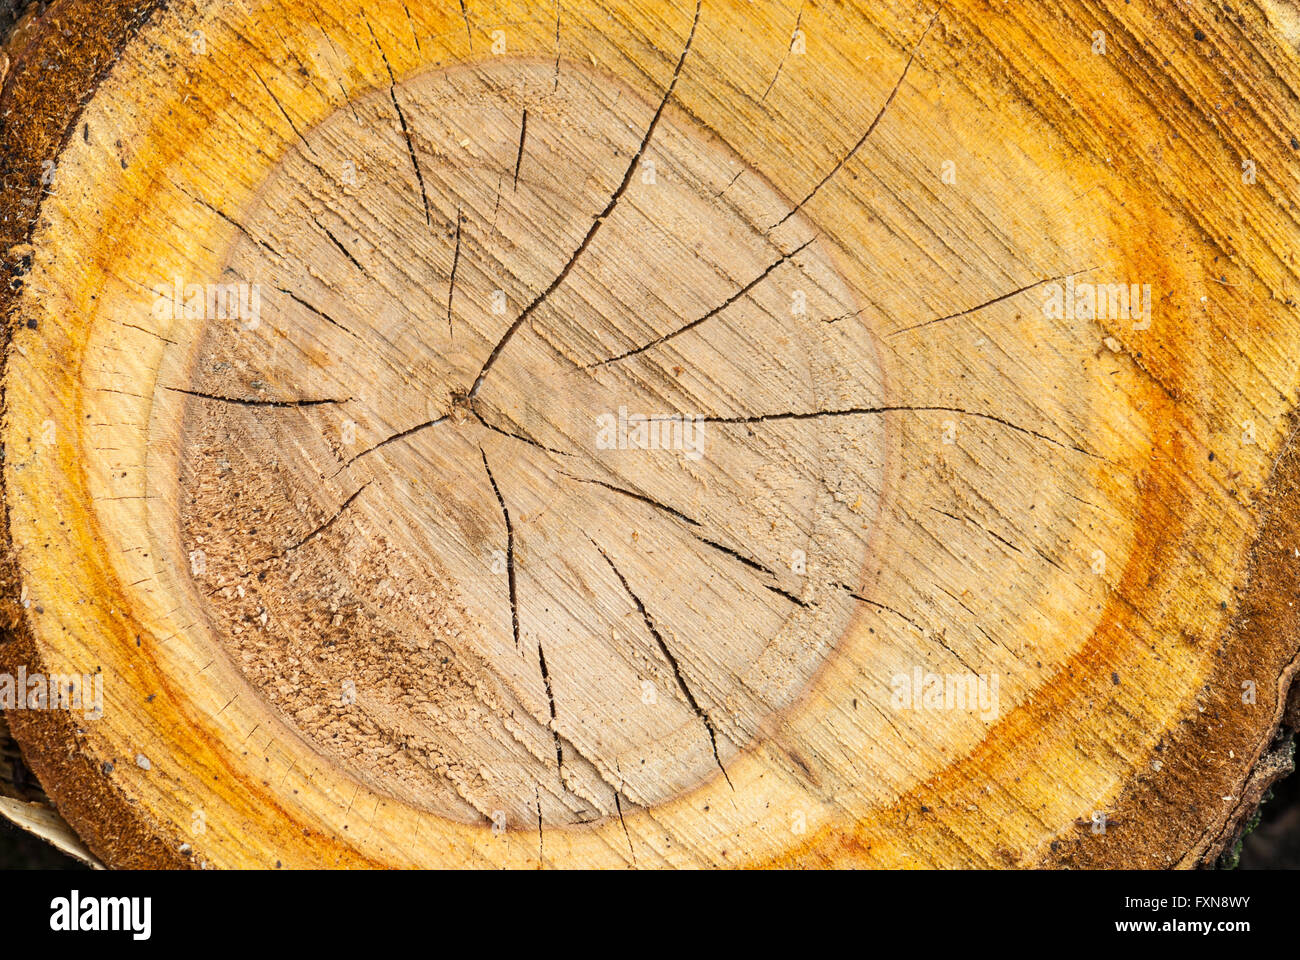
<point x="613" y="433"/>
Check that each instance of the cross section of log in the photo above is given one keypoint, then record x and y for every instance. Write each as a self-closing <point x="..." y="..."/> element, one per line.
<point x="650" y="434"/>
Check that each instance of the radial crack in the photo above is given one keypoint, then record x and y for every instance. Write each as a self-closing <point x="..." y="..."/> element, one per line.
<point x="400" y="435"/>
<point x="342" y="89"/>
<point x="410" y="149"/>
<point x="981" y="306"/>
<point x="510" y="555"/>
<point x="556" y="85"/>
<point x="285" y="113"/>
<point x="229" y="219"/>
<point x="876" y="603"/>
<point x="942" y="640"/>
<point x="341" y="248"/>
<point x="649" y="501"/>
<point x="860" y="411"/>
<point x="496" y="207"/>
<point x="523" y="136"/>
<point x="1000" y="539"/>
<point x="451" y="284"/>
<point x="673" y="512"/>
<point x="414" y="36"/>
<point x="468" y="34"/>
<point x="870" y="129"/>
<point x="743" y="291"/>
<point x="541" y="841"/>
<point x="600" y="219"/>
<point x="781" y="66"/>
<point x="152" y="333"/>
<point x="318" y="312"/>
<point x="517" y="436"/>
<point x="241" y="401"/>
<point x="672" y="662"/>
<point x="618" y="805"/>
<point x="884" y="716"/>
<point x="754" y="565"/>
<point x="328" y="523"/>
<point x="550" y="699"/>
<point x="512" y="586"/>
<point x="401" y="119"/>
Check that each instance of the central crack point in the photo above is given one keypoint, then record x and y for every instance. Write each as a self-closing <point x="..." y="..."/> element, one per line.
<point x="462" y="406"/>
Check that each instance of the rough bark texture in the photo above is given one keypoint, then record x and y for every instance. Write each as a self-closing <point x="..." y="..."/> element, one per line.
<point x="374" y="568"/>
